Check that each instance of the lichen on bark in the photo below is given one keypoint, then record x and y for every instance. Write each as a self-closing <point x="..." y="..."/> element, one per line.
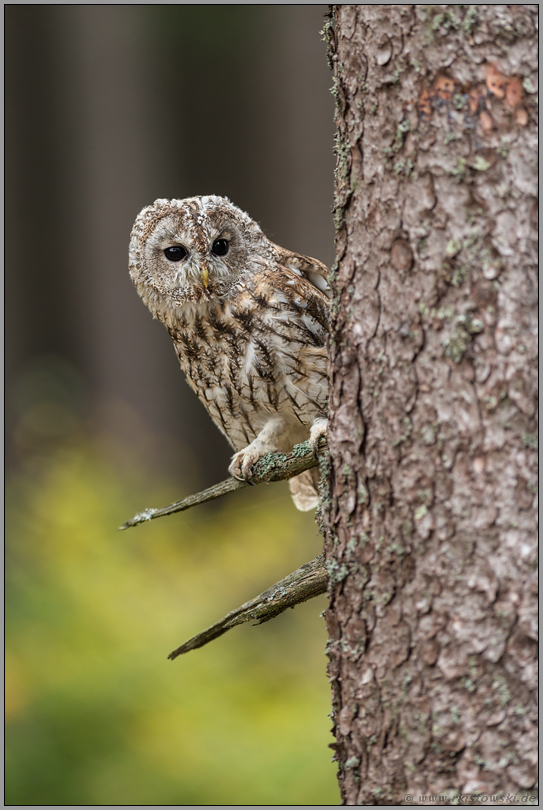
<point x="430" y="515"/>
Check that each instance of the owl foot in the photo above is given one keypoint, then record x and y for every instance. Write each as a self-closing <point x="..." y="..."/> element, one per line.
<point x="242" y="464"/>
<point x="319" y="429"/>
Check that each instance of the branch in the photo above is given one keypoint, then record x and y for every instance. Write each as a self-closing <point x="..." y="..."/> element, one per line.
<point x="272" y="467"/>
<point x="309" y="580"/>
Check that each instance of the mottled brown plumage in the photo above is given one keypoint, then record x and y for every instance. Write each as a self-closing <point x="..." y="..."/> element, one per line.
<point x="248" y="320"/>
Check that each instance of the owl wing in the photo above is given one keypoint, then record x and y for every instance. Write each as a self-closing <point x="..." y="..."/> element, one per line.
<point x="294" y="318"/>
<point x="312" y="269"/>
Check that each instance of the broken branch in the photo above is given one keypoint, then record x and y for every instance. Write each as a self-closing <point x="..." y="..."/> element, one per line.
<point x="272" y="467"/>
<point x="306" y="582"/>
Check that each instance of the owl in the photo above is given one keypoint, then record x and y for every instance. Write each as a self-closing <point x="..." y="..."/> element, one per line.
<point x="249" y="322"/>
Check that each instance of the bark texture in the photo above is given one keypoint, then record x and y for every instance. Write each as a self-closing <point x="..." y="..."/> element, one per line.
<point x="430" y="514"/>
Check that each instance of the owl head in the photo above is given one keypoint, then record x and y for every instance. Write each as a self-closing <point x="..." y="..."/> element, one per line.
<point x="191" y="250"/>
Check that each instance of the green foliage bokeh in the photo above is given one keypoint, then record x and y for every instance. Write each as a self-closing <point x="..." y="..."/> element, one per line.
<point x="95" y="713"/>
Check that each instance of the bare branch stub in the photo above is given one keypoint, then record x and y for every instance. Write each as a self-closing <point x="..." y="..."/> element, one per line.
<point x="272" y="467"/>
<point x="309" y="580"/>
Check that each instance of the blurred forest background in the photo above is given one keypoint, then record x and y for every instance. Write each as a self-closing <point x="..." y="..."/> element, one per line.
<point x="109" y="107"/>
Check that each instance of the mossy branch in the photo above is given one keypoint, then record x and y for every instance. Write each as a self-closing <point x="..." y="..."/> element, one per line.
<point x="306" y="582"/>
<point x="272" y="467"/>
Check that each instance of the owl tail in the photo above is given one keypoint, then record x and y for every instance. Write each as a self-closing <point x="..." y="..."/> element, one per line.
<point x="304" y="490"/>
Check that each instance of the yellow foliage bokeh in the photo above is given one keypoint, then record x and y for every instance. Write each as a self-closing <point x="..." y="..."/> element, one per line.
<point x="95" y="713"/>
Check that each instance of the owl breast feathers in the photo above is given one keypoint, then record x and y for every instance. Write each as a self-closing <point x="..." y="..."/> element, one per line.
<point x="248" y="320"/>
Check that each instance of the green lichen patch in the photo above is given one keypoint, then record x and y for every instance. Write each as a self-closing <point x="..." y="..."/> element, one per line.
<point x="459" y="171"/>
<point x="336" y="572"/>
<point x="421" y="511"/>
<point x="328" y="35"/>
<point x="470" y="20"/>
<point x="457" y="342"/>
<point x="269" y="463"/>
<point x="454" y="246"/>
<point x="480" y="164"/>
<point x="300" y="450"/>
<point x="408" y="428"/>
<point x="530" y="440"/>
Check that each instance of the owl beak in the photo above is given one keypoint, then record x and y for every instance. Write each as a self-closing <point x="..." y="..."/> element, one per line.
<point x="205" y="275"/>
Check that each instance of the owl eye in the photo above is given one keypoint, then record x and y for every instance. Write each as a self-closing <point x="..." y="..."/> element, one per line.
<point x="220" y="247"/>
<point x="175" y="253"/>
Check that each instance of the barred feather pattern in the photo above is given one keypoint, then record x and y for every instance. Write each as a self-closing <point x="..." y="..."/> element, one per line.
<point x="249" y="326"/>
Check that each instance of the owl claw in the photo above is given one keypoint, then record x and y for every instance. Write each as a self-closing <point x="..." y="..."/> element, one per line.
<point x="238" y="476"/>
<point x="243" y="477"/>
<point x="243" y="462"/>
<point x="319" y="430"/>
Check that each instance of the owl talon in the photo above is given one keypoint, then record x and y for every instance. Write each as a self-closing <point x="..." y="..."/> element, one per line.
<point x="319" y="430"/>
<point x="240" y="468"/>
<point x="243" y="463"/>
<point x="244" y="478"/>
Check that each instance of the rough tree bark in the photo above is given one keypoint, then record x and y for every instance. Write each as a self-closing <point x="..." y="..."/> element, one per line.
<point x="430" y="516"/>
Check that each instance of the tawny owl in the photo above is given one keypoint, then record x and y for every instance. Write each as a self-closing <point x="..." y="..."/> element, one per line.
<point x="248" y="320"/>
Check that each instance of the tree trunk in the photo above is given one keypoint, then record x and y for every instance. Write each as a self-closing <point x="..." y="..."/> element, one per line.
<point x="430" y="515"/>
